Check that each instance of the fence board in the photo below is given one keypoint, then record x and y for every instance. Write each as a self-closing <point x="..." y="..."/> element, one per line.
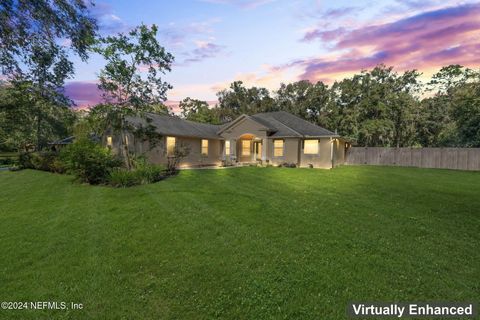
<point x="446" y="158"/>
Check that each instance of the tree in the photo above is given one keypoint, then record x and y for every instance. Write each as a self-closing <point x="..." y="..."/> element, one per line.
<point x="24" y="23"/>
<point x="239" y="100"/>
<point x="377" y="107"/>
<point x="435" y="126"/>
<point x="453" y="108"/>
<point x="131" y="79"/>
<point x="306" y="100"/>
<point x="19" y="118"/>
<point x="449" y="78"/>
<point x="466" y="113"/>
<point x="43" y="82"/>
<point x="37" y="39"/>
<point x="198" y="111"/>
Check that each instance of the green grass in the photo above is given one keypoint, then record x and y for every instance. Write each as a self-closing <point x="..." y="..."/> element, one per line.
<point x="246" y="243"/>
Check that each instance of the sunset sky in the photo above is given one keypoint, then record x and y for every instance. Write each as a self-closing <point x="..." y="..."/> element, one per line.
<point x="267" y="42"/>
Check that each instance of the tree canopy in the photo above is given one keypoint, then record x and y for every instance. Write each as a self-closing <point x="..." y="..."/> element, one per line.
<point x="37" y="39"/>
<point x="26" y="25"/>
<point x="131" y="79"/>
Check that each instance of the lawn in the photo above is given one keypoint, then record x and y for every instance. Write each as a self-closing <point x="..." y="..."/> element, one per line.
<point x="243" y="243"/>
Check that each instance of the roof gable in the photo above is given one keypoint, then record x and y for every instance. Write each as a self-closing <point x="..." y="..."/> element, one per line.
<point x="239" y="120"/>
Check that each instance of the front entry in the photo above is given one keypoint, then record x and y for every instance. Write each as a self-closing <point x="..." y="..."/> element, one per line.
<point x="257" y="150"/>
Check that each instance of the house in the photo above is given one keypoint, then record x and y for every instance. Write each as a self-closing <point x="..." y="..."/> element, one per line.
<point x="265" y="138"/>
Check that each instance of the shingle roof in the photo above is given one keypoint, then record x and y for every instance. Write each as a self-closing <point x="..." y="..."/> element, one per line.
<point x="280" y="124"/>
<point x="284" y="124"/>
<point x="174" y="126"/>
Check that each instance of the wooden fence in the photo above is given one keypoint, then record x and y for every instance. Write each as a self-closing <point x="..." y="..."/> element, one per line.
<point x="445" y="158"/>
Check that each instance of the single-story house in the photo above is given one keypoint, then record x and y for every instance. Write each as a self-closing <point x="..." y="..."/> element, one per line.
<point x="265" y="138"/>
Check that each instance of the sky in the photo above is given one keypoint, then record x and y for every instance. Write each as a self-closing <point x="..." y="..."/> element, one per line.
<point x="269" y="42"/>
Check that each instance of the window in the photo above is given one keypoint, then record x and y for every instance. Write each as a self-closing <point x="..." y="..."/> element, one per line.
<point x="170" y="146"/>
<point x="227" y="147"/>
<point x="109" y="141"/>
<point x="246" y="147"/>
<point x="310" y="147"/>
<point x="204" y="147"/>
<point x="278" y="148"/>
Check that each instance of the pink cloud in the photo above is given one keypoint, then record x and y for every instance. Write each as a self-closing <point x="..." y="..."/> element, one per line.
<point x="84" y="93"/>
<point x="427" y="40"/>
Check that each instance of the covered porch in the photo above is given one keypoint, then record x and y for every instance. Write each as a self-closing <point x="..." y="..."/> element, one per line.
<point x="246" y="149"/>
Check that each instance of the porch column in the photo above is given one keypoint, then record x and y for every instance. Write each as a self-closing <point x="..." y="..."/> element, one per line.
<point x="224" y="147"/>
<point x="264" y="149"/>
<point x="233" y="148"/>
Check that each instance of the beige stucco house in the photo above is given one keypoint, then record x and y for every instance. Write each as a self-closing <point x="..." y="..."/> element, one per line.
<point x="265" y="138"/>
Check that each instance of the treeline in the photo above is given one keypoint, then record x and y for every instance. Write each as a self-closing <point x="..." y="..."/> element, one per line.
<point x="379" y="107"/>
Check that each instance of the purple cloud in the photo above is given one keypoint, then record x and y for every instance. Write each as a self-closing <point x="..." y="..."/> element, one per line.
<point x="84" y="94"/>
<point x="328" y="35"/>
<point x="340" y="12"/>
<point x="426" y="40"/>
<point x="204" y="50"/>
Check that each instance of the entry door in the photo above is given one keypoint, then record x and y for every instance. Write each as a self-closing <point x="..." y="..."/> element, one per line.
<point x="257" y="149"/>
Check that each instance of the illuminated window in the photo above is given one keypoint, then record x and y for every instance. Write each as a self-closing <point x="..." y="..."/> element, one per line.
<point x="170" y="146"/>
<point x="109" y="141"/>
<point x="227" y="147"/>
<point x="310" y="147"/>
<point x="246" y="147"/>
<point x="204" y="147"/>
<point x="278" y="148"/>
<point x="126" y="140"/>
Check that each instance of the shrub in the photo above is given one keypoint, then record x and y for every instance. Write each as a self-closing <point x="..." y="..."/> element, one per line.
<point x="120" y="177"/>
<point x="44" y="160"/>
<point x="288" y="165"/>
<point x="180" y="151"/>
<point x="143" y="174"/>
<point x="151" y="173"/>
<point x="7" y="161"/>
<point x="25" y="160"/>
<point x="89" y="161"/>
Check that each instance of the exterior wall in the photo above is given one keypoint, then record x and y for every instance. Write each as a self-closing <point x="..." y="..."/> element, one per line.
<point x="194" y="158"/>
<point x="290" y="151"/>
<point x="158" y="154"/>
<point x="322" y="159"/>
